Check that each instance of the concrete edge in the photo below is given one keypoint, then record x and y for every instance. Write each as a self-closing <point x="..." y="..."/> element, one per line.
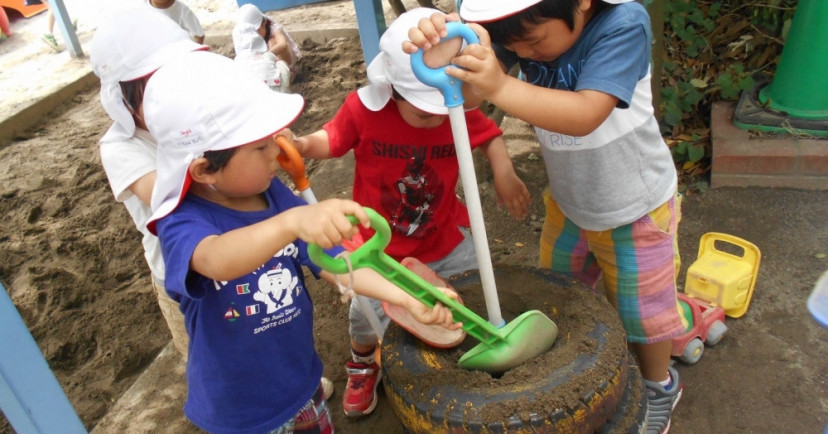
<point x="320" y="36"/>
<point x="33" y="113"/>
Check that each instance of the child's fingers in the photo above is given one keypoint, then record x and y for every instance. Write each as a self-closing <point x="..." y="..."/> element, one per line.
<point x="438" y="23"/>
<point x="410" y="47"/>
<point x="482" y="34"/>
<point x="454" y="16"/>
<point x="418" y="39"/>
<point x="449" y="292"/>
<point x="426" y="34"/>
<point x="356" y="210"/>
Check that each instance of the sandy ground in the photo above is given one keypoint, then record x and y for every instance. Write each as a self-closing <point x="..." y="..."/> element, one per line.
<point x="72" y="262"/>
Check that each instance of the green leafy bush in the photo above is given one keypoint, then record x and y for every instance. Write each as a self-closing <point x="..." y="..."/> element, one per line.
<point x="713" y="51"/>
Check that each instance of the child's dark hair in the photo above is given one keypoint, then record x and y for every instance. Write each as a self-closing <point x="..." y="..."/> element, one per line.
<point x="513" y="28"/>
<point x="268" y="33"/>
<point x="218" y="159"/>
<point x="133" y="92"/>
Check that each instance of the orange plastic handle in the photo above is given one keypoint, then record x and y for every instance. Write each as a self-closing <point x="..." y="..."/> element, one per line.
<point x="292" y="163"/>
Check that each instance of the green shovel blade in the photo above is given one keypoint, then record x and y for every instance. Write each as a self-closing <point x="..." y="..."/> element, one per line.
<point x="527" y="336"/>
<point x="501" y="349"/>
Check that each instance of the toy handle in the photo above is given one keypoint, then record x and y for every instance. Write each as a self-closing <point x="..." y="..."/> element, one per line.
<point x="750" y="253"/>
<point x="365" y="255"/>
<point x="450" y="87"/>
<point x="372" y="255"/>
<point x="292" y="163"/>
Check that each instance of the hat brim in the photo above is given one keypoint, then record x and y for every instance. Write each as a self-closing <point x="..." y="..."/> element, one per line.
<point x="377" y="94"/>
<point x="483" y="11"/>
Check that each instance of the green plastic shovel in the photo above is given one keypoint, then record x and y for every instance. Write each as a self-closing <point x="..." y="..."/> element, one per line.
<point x="500" y="349"/>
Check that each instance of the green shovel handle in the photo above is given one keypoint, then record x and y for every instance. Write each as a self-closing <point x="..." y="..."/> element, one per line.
<point x="372" y="255"/>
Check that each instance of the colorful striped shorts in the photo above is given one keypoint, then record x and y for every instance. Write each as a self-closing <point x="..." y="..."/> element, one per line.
<point x="313" y="418"/>
<point x="638" y="263"/>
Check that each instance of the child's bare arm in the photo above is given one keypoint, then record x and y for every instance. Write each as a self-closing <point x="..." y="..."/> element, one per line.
<point x="278" y="45"/>
<point x="315" y="145"/>
<point x="511" y="191"/>
<point x="143" y="186"/>
<point x="369" y="283"/>
<point x="238" y="252"/>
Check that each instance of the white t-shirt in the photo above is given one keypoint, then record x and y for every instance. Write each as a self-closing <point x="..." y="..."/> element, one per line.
<point x="125" y="161"/>
<point x="181" y="14"/>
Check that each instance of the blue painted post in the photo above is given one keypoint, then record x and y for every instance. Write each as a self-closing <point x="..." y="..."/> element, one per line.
<point x="371" y="23"/>
<point x="30" y="396"/>
<point x="65" y="25"/>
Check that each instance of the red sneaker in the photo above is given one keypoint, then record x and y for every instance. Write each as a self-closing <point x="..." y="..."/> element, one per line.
<point x="360" y="397"/>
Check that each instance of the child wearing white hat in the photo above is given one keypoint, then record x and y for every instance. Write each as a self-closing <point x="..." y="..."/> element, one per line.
<point x="611" y="204"/>
<point x="407" y="170"/>
<point x="263" y="46"/>
<point x="124" y="61"/>
<point x="234" y="242"/>
<point x="181" y="15"/>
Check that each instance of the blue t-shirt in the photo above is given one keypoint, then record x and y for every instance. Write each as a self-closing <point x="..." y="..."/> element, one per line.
<point x="611" y="55"/>
<point x="623" y="169"/>
<point x="252" y="363"/>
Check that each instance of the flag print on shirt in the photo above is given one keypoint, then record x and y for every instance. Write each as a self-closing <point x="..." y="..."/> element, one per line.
<point x="231" y="314"/>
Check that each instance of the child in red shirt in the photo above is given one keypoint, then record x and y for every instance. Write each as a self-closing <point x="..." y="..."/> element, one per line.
<point x="407" y="170"/>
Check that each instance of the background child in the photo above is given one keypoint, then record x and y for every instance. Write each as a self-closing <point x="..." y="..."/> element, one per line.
<point x="181" y="14"/>
<point x="234" y="240"/>
<point x="123" y="55"/>
<point x="611" y="203"/>
<point x="252" y="51"/>
<point x="278" y="41"/>
<point x="48" y="38"/>
<point x="407" y="170"/>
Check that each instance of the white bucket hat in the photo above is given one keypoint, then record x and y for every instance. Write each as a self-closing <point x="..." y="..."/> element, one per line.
<point x="483" y="11"/>
<point x="246" y="36"/>
<point x="250" y="14"/>
<point x="205" y="102"/>
<point x="392" y="67"/>
<point x="131" y="44"/>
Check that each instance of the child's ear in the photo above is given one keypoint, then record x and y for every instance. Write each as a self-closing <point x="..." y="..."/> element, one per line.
<point x="199" y="171"/>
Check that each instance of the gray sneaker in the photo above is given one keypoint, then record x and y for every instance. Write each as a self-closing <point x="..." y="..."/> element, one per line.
<point x="661" y="403"/>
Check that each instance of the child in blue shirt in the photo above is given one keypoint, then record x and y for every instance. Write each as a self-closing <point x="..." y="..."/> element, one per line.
<point x="611" y="203"/>
<point x="234" y="242"/>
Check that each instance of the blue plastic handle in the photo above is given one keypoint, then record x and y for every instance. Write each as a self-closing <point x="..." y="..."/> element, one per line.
<point x="450" y="87"/>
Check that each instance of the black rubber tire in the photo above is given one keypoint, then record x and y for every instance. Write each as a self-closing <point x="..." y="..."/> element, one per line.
<point x="599" y="373"/>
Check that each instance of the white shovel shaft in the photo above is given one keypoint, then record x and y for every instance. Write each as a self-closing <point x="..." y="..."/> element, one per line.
<point x="308" y="195"/>
<point x="462" y="144"/>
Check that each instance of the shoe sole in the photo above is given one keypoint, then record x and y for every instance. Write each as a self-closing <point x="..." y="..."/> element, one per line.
<point x="49" y="44"/>
<point x="370" y="409"/>
<point x="675" y="403"/>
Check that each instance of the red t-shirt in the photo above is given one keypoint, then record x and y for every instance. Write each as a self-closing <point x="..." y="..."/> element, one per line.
<point x="407" y="174"/>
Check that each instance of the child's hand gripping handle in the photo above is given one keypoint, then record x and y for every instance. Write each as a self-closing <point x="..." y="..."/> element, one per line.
<point x="372" y="255"/>
<point x="450" y="87"/>
<point x="294" y="165"/>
